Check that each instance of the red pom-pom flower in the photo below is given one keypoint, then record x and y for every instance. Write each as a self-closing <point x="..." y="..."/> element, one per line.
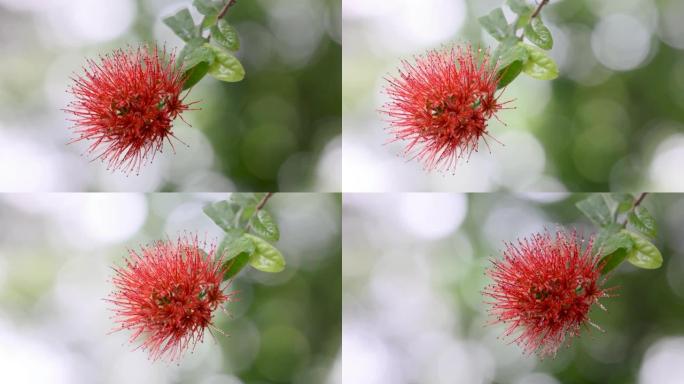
<point x="125" y="105"/>
<point x="166" y="295"/>
<point x="544" y="288"/>
<point x="441" y="104"/>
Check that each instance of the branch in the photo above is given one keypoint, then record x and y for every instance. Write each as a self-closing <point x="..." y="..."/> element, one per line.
<point x="259" y="206"/>
<point x="225" y="9"/>
<point x="534" y="14"/>
<point x="222" y="13"/>
<point x="637" y="202"/>
<point x="539" y="8"/>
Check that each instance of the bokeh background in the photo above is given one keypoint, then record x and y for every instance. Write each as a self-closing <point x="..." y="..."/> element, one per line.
<point x="56" y="251"/>
<point x="614" y="120"/>
<point x="413" y="312"/>
<point x="279" y="129"/>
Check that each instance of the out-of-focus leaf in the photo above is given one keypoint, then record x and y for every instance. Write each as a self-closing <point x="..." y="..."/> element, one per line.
<point x="221" y="213"/>
<point x="596" y="208"/>
<point x="495" y="23"/>
<point x="182" y="25"/>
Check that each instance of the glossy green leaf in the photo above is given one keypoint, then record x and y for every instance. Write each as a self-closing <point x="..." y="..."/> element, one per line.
<point x="234" y="244"/>
<point x="642" y="220"/>
<point x="540" y="65"/>
<point x="596" y="208"/>
<point x="225" y="35"/>
<point x="509" y="73"/>
<point x="195" y="74"/>
<point x="233" y="266"/>
<point x="226" y="67"/>
<point x="221" y="213"/>
<point x="266" y="258"/>
<point x="209" y="7"/>
<point x="520" y="7"/>
<point x="538" y="34"/>
<point x="495" y="23"/>
<point x="182" y="25"/>
<point x="264" y="226"/>
<point x="644" y="254"/>
<point x="509" y="51"/>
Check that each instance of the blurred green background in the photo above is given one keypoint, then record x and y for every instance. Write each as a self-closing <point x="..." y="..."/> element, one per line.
<point x="56" y="251"/>
<point x="614" y="120"/>
<point x="279" y="129"/>
<point x="413" y="311"/>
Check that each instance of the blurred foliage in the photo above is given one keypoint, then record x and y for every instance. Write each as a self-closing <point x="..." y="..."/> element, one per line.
<point x="597" y="136"/>
<point x="278" y="113"/>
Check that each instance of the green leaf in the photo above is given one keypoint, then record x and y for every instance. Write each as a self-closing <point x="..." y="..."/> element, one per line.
<point x="596" y="208"/>
<point x="209" y="21"/>
<point x="233" y="266"/>
<point x="194" y="53"/>
<point x="625" y="201"/>
<point x="182" y="25"/>
<point x="509" y="73"/>
<point x="264" y="226"/>
<point x="540" y="65"/>
<point x="612" y="260"/>
<point x="538" y="34"/>
<point x="221" y="213"/>
<point x="644" y="254"/>
<point x="495" y="23"/>
<point x="642" y="220"/>
<point x="520" y="7"/>
<point x="611" y="238"/>
<point x="234" y="244"/>
<point x="266" y="258"/>
<point x="226" y="67"/>
<point x="195" y="74"/>
<point x="245" y="204"/>
<point x="209" y="7"/>
<point x="510" y="50"/>
<point x="226" y="35"/>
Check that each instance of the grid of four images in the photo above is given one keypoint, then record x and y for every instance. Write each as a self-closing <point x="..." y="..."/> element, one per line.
<point x="341" y="191"/>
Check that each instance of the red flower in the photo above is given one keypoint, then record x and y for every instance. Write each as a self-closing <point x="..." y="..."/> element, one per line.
<point x="166" y="295"/>
<point x="125" y="106"/>
<point x="440" y="105"/>
<point x="544" y="288"/>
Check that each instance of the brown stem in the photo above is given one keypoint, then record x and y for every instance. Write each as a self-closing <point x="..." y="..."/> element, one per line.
<point x="637" y="202"/>
<point x="534" y="14"/>
<point x="259" y="206"/>
<point x="539" y="8"/>
<point x="225" y="9"/>
<point x="222" y="13"/>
